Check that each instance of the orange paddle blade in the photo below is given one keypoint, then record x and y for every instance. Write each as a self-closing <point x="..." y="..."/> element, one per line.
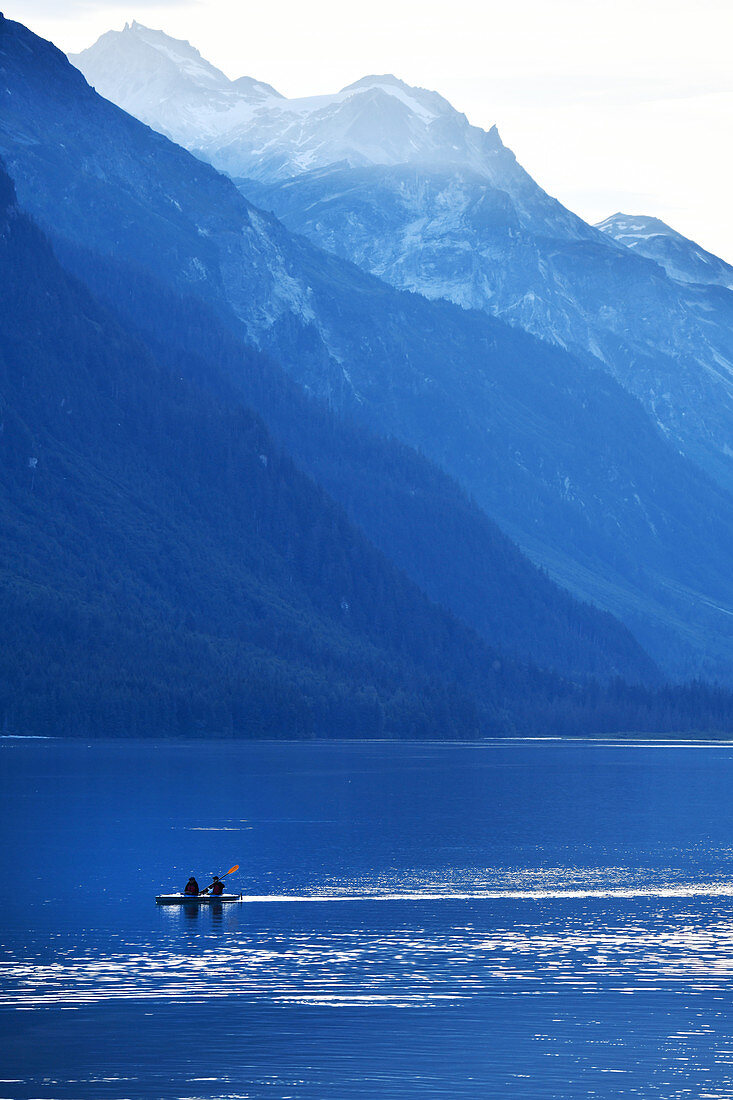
<point x="233" y="869"/>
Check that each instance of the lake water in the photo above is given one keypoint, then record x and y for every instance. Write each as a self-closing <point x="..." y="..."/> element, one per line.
<point x="540" y="920"/>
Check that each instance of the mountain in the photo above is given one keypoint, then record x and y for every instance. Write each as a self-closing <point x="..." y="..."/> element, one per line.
<point x="161" y="69"/>
<point x="166" y="568"/>
<point x="548" y="444"/>
<point x="245" y="127"/>
<point x="489" y="245"/>
<point x="682" y="259"/>
<point x="396" y="180"/>
<point x="417" y="515"/>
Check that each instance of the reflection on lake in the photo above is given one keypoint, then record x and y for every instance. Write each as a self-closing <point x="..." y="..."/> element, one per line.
<point x="504" y="920"/>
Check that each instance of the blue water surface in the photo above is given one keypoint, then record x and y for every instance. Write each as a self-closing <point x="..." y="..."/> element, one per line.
<point x="540" y="920"/>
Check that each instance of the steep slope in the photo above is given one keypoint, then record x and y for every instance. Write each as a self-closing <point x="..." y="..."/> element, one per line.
<point x="555" y="451"/>
<point x="155" y="72"/>
<point x="167" y="569"/>
<point x="411" y="510"/>
<point x="450" y="234"/>
<point x="682" y="259"/>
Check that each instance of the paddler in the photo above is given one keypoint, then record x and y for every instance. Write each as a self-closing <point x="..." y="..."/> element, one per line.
<point x="217" y="887"/>
<point x="192" y="887"/>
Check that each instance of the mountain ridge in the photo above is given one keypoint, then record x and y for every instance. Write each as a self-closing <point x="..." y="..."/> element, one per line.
<point x="443" y="208"/>
<point x="223" y="113"/>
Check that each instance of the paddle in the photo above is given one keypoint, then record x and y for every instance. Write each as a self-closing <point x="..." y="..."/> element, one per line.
<point x="229" y="872"/>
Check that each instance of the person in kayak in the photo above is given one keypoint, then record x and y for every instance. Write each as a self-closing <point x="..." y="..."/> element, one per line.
<point x="217" y="887"/>
<point x="192" y="887"/>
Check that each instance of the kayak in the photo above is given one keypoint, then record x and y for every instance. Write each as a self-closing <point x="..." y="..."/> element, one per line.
<point x="195" y="899"/>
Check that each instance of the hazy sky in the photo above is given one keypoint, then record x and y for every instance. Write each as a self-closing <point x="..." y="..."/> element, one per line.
<point x="623" y="105"/>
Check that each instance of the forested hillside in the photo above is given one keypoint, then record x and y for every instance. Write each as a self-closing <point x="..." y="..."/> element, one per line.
<point x="166" y="568"/>
<point x="415" y="513"/>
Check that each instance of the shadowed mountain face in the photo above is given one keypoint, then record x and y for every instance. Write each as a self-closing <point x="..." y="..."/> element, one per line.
<point x="551" y="447"/>
<point x="166" y="569"/>
<point x="413" y="512"/>
<point x="398" y="181"/>
<point x="447" y="234"/>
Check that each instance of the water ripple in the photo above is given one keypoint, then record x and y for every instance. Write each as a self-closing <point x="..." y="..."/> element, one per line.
<point x="410" y="966"/>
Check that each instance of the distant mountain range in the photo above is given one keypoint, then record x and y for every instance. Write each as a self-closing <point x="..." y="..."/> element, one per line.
<point x="245" y="127"/>
<point x="396" y="180"/>
<point x="549" y="445"/>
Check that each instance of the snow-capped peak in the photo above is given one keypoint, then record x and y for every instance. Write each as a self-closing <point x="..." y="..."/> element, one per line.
<point x="246" y="128"/>
<point x="429" y="105"/>
<point x="634" y="227"/>
<point x="180" y="52"/>
<point x="252" y="88"/>
<point x="682" y="259"/>
<point x="166" y="83"/>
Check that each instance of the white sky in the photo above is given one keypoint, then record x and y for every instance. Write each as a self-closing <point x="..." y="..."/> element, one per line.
<point x="610" y="104"/>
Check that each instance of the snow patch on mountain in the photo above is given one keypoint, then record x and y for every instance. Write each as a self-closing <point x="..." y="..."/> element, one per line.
<point x="166" y="83"/>
<point x="246" y="128"/>
<point x="181" y="53"/>
<point x="682" y="259"/>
